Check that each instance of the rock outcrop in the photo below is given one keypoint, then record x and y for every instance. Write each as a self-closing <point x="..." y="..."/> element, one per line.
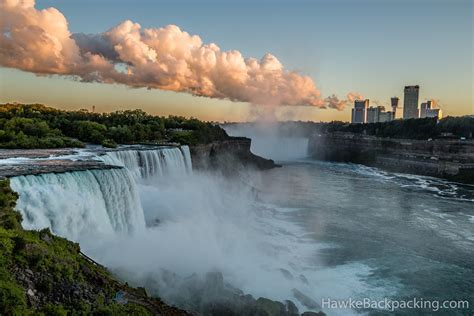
<point x="228" y="155"/>
<point x="452" y="159"/>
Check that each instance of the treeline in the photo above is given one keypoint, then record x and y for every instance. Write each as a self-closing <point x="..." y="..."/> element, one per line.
<point x="426" y="128"/>
<point x="38" y="126"/>
<point x="410" y="129"/>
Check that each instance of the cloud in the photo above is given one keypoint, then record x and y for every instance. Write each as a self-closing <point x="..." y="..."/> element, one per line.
<point x="334" y="102"/>
<point x="166" y="58"/>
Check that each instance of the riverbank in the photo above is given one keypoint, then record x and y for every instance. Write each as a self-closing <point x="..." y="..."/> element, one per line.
<point x="451" y="159"/>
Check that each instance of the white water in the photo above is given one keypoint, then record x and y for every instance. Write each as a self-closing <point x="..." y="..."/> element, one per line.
<point x="206" y="223"/>
<point x="82" y="203"/>
<point x="147" y="164"/>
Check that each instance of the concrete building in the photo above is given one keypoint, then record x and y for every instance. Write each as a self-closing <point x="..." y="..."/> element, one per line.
<point x="386" y="116"/>
<point x="410" y="102"/>
<point x="428" y="109"/>
<point x="394" y="103"/>
<point x="378" y="114"/>
<point x="359" y="112"/>
<point x="424" y="107"/>
<point x="435" y="113"/>
<point x="373" y="113"/>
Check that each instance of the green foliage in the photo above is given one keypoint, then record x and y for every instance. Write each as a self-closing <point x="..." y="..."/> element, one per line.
<point x="53" y="310"/>
<point x="109" y="143"/>
<point x="9" y="219"/>
<point x="37" y="126"/>
<point x="20" y="132"/>
<point x="121" y="310"/>
<point x="56" y="264"/>
<point x="184" y="137"/>
<point x="89" y="131"/>
<point x="12" y="298"/>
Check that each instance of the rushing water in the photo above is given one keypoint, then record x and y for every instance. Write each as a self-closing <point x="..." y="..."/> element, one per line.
<point x="410" y="236"/>
<point x="306" y="231"/>
<point x="76" y="204"/>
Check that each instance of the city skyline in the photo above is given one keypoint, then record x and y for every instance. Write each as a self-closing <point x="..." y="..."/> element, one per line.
<point x="440" y="64"/>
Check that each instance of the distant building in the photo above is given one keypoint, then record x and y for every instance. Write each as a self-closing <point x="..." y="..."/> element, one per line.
<point x="373" y="113"/>
<point x="428" y="109"/>
<point x="424" y="107"/>
<point x="378" y="114"/>
<point x="360" y="110"/>
<point x="410" y="102"/>
<point x="386" y="116"/>
<point x="394" y="103"/>
<point x="435" y="113"/>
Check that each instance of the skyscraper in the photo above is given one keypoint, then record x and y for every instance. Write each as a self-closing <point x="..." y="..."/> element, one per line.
<point x="410" y="102"/>
<point x="428" y="110"/>
<point x="394" y="102"/>
<point x="425" y="106"/>
<point x="359" y="112"/>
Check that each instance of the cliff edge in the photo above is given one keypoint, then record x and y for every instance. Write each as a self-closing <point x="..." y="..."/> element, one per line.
<point x="451" y="159"/>
<point x="228" y="155"/>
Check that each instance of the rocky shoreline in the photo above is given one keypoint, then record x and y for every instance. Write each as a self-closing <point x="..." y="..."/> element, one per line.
<point x="451" y="159"/>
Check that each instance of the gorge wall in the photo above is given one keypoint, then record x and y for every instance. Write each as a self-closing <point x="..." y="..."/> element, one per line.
<point x="228" y="155"/>
<point x="451" y="159"/>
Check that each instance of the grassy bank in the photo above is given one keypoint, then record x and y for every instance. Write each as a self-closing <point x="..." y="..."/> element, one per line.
<point x="42" y="274"/>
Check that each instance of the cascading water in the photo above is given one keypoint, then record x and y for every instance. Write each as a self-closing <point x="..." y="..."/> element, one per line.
<point x="103" y="201"/>
<point x="150" y="163"/>
<point x="174" y="214"/>
<point x="80" y="203"/>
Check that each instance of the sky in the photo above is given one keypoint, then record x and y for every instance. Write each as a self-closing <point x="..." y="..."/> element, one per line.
<point x="372" y="47"/>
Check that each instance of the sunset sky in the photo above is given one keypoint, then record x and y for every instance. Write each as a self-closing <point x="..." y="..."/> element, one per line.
<point x="369" y="47"/>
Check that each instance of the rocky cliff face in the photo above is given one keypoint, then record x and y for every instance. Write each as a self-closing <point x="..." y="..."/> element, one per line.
<point x="445" y="158"/>
<point x="228" y="155"/>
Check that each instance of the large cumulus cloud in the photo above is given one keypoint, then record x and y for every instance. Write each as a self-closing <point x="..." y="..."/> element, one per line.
<point x="167" y="58"/>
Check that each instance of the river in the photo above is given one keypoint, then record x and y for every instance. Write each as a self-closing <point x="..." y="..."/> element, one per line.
<point x="309" y="231"/>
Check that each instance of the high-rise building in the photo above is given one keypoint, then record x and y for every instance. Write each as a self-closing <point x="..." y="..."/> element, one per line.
<point x="424" y="107"/>
<point x="373" y="114"/>
<point x="359" y="112"/>
<point x="428" y="109"/>
<point x="386" y="116"/>
<point x="410" y="102"/>
<point x="377" y="114"/>
<point x="434" y="113"/>
<point x="394" y="103"/>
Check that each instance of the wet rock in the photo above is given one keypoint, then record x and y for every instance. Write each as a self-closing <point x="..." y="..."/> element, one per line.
<point x="272" y="308"/>
<point x="313" y="314"/>
<point x="303" y="279"/>
<point x="305" y="300"/>
<point x="287" y="274"/>
<point x="291" y="308"/>
<point x="142" y="291"/>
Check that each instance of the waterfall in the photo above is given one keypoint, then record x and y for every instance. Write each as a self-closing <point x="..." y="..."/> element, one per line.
<point x="101" y="201"/>
<point x="151" y="163"/>
<point x="80" y="203"/>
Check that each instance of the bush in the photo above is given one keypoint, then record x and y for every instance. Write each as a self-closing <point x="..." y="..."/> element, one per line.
<point x="88" y="131"/>
<point x="109" y="143"/>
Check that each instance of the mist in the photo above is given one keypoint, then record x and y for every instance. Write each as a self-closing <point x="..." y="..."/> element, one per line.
<point x="270" y="142"/>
